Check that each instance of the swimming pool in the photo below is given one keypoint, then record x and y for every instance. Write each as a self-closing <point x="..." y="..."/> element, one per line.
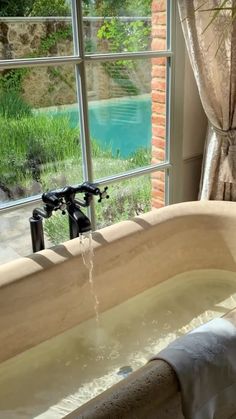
<point x="121" y="125"/>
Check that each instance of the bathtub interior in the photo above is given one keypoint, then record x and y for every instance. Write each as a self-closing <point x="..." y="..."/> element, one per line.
<point x="56" y="356"/>
<point x="81" y="363"/>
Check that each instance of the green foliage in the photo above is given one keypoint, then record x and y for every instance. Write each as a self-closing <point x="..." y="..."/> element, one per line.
<point x="40" y="147"/>
<point x="34" y="8"/>
<point x="13" y="106"/>
<point x="57" y="74"/>
<point x="124" y="36"/>
<point x="117" y="70"/>
<point x="98" y="152"/>
<point x="50" y="8"/>
<point x="34" y="145"/>
<point x="57" y="228"/>
<point x="142" y="157"/>
<point x="52" y="39"/>
<point x="121" y="7"/>
<point x="127" y="199"/>
<point x="11" y="80"/>
<point x="15" y="8"/>
<point x="139" y="7"/>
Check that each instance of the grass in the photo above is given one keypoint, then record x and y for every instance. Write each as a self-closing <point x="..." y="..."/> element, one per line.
<point x="13" y="106"/>
<point x="41" y="149"/>
<point x="36" y="147"/>
<point x="126" y="199"/>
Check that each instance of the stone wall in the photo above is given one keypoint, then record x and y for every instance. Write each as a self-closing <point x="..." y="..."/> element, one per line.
<point x="52" y="86"/>
<point x="24" y="40"/>
<point x="158" y="100"/>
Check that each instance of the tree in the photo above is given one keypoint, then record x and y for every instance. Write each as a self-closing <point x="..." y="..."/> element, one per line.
<point x="15" y="8"/>
<point x="34" y="8"/>
<point x="121" y="7"/>
<point x="50" y="8"/>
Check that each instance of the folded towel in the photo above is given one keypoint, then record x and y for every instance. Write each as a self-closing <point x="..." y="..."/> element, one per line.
<point x="205" y="363"/>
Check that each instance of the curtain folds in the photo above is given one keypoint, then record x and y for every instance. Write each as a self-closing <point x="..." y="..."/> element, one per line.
<point x="211" y="44"/>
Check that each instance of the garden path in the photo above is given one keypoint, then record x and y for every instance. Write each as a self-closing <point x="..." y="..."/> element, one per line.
<point x="15" y="240"/>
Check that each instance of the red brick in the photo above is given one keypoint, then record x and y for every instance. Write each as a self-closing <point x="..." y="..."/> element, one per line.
<point x="158" y="119"/>
<point x="159" y="108"/>
<point x="159" y="31"/>
<point x="158" y="84"/>
<point x="157" y="194"/>
<point x="158" y="6"/>
<point x="158" y="131"/>
<point x="159" y="61"/>
<point x="158" y="204"/>
<point x="159" y="97"/>
<point x="156" y="161"/>
<point x="158" y="44"/>
<point x="159" y="19"/>
<point x="159" y="175"/>
<point x="158" y="154"/>
<point x="159" y="71"/>
<point x="158" y="185"/>
<point x="158" y="143"/>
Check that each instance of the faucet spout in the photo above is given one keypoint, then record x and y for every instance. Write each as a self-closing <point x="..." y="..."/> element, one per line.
<point x="78" y="222"/>
<point x="64" y="200"/>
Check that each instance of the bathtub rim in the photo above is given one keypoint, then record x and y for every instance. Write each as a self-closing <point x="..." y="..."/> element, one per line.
<point x="21" y="268"/>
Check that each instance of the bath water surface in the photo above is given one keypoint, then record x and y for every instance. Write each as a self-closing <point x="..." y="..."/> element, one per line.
<point x="61" y="374"/>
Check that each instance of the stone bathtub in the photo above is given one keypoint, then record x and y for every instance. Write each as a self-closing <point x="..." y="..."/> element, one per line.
<point x="71" y="335"/>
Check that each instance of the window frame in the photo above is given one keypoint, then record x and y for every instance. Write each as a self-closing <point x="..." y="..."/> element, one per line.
<point x="171" y="164"/>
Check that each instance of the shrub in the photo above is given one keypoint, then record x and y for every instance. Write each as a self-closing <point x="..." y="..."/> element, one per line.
<point x="35" y="146"/>
<point x="15" y="8"/>
<point x="127" y="199"/>
<point x="13" y="106"/>
<point x="142" y="157"/>
<point x="50" y="8"/>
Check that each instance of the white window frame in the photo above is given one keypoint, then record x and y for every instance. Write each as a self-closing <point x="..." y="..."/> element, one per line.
<point x="171" y="166"/>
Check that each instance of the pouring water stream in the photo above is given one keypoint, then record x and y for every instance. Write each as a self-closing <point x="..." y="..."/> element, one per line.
<point x="87" y="256"/>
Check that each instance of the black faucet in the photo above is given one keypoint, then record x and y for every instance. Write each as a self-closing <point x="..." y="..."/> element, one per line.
<point x="64" y="200"/>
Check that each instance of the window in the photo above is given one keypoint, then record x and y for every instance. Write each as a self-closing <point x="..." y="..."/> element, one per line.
<point x="85" y="98"/>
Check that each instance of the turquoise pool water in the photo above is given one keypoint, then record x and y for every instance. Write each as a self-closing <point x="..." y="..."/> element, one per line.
<point x="121" y="125"/>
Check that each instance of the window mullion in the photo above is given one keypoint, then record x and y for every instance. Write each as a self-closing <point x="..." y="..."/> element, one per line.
<point x="36" y="62"/>
<point x="133" y="173"/>
<point x="77" y="25"/>
<point x="127" y="55"/>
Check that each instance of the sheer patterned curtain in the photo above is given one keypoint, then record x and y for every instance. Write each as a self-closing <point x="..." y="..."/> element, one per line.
<point x="211" y="45"/>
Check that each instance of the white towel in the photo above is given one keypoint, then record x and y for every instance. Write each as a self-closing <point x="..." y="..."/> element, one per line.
<point x="205" y="363"/>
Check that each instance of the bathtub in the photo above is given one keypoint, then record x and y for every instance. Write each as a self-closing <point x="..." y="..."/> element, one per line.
<point x="49" y="302"/>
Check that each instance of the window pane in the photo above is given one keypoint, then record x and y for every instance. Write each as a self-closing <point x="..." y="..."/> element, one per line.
<point x="126" y="114"/>
<point x="126" y="200"/>
<point x="131" y="197"/>
<point x="39" y="147"/>
<point x="47" y="32"/>
<point x="15" y="233"/>
<point x="124" y="26"/>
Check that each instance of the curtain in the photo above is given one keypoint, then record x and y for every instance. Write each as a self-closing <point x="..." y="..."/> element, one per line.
<point x="211" y="44"/>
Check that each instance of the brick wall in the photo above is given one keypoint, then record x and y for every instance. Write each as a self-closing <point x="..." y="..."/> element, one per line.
<point x="158" y="100"/>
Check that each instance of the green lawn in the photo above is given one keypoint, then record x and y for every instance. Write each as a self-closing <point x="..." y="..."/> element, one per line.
<point x="39" y="150"/>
